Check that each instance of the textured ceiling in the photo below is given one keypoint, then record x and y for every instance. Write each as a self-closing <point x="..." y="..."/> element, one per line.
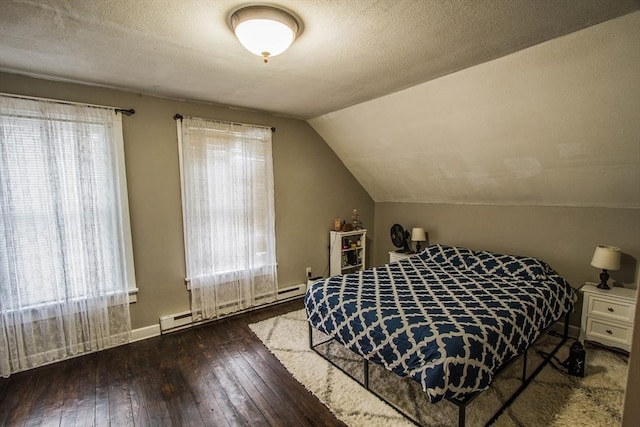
<point x="556" y="124"/>
<point x="517" y="102"/>
<point x="350" y="51"/>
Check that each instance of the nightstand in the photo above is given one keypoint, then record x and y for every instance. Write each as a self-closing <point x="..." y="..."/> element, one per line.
<point x="607" y="315"/>
<point x="397" y="256"/>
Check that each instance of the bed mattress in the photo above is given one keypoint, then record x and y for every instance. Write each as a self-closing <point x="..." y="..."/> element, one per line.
<point x="447" y="317"/>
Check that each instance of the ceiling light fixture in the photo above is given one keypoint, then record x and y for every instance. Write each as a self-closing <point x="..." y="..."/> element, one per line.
<point x="264" y="30"/>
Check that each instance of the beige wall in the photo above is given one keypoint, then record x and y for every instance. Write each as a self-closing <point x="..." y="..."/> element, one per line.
<point x="564" y="237"/>
<point x="631" y="412"/>
<point x="312" y="186"/>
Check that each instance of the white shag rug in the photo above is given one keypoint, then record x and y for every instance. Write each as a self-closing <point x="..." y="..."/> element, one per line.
<point x="552" y="399"/>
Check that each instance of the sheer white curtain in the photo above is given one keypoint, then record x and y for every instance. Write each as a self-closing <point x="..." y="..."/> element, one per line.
<point x="65" y="263"/>
<point x="229" y="218"/>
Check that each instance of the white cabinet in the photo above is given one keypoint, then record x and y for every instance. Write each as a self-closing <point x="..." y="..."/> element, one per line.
<point x="607" y="316"/>
<point x="397" y="256"/>
<point x="347" y="251"/>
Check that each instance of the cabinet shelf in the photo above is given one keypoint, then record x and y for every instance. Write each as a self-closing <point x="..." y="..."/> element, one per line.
<point x="347" y="251"/>
<point x="348" y="267"/>
<point x="351" y="249"/>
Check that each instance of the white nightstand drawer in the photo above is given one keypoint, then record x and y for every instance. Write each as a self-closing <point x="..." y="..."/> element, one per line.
<point x="609" y="309"/>
<point x="608" y="315"/>
<point x="606" y="331"/>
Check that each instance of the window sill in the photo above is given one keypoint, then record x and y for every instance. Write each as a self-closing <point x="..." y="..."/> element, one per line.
<point x="133" y="295"/>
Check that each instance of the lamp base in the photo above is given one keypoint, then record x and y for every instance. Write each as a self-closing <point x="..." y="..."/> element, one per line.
<point x="604" y="276"/>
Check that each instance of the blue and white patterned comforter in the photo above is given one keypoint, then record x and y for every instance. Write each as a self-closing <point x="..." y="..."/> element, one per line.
<point x="447" y="317"/>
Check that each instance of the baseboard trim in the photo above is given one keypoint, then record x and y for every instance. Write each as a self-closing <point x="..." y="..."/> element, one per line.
<point x="145" y="333"/>
<point x="183" y="320"/>
<point x="284" y="295"/>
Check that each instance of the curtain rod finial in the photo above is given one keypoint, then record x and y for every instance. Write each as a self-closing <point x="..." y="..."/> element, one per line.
<point x="128" y="112"/>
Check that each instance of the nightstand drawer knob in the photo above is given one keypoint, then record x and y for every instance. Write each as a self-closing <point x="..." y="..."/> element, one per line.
<point x="609" y="331"/>
<point x="610" y="309"/>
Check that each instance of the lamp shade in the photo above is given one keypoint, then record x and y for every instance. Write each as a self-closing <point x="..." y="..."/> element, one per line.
<point x="264" y="30"/>
<point x="606" y="258"/>
<point x="418" y="235"/>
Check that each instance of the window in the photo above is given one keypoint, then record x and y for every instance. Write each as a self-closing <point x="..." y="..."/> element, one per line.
<point x="228" y="211"/>
<point x="66" y="261"/>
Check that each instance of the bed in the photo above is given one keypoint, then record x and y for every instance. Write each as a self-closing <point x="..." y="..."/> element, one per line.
<point x="448" y="317"/>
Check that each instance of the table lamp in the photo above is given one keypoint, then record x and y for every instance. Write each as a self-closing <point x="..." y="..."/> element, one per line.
<point x="607" y="258"/>
<point x="418" y="235"/>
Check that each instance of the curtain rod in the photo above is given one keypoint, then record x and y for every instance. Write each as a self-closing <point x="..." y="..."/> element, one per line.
<point x="124" y="111"/>
<point x="179" y="116"/>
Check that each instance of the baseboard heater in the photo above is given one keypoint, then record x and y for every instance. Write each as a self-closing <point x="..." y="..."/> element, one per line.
<point x="178" y="321"/>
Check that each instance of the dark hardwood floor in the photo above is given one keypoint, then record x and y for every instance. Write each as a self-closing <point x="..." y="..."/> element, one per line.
<point x="217" y="374"/>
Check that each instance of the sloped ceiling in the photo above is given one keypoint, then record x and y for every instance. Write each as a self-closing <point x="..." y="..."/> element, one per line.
<point x="555" y="124"/>
<point x="484" y="101"/>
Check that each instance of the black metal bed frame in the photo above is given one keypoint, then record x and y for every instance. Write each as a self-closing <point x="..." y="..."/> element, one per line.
<point x="461" y="403"/>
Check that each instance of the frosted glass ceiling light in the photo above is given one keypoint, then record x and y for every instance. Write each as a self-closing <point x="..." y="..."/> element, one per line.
<point x="264" y="30"/>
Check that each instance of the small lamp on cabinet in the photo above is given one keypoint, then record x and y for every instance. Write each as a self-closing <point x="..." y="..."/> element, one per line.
<point x="418" y="235"/>
<point x="606" y="258"/>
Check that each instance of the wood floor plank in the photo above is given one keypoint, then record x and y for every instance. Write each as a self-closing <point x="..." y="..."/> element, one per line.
<point x="58" y="393"/>
<point x="71" y="392"/>
<point x="35" y="406"/>
<point x="120" y="412"/>
<point x="242" y="403"/>
<point x="268" y="384"/>
<point x="269" y="404"/>
<point x="15" y="410"/>
<point x="201" y="360"/>
<point x="4" y="393"/>
<point x="79" y="405"/>
<point x="315" y="413"/>
<point x="217" y="374"/>
<point x="101" y="413"/>
<point x="138" y="356"/>
<point x="176" y="393"/>
<point x="148" y="383"/>
<point x="212" y="392"/>
<point x="211" y="404"/>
